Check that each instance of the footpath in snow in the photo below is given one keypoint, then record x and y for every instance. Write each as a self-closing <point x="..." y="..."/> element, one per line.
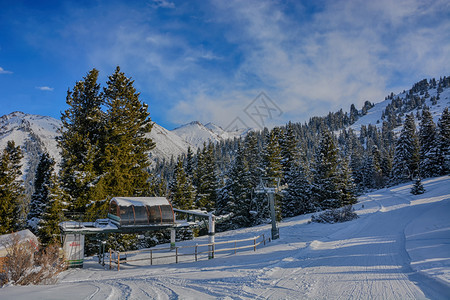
<point x="399" y="248"/>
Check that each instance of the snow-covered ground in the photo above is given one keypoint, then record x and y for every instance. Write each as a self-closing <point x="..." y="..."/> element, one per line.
<point x="399" y="248"/>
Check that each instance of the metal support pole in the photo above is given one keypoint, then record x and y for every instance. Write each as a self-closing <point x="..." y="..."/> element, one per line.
<point x="275" y="233"/>
<point x="172" y="238"/>
<point x="110" y="259"/>
<point x="196" y="246"/>
<point x="211" y="233"/>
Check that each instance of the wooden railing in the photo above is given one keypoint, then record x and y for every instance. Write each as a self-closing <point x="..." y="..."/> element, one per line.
<point x="194" y="251"/>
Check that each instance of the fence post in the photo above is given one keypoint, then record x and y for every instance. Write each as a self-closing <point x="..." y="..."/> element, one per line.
<point x="235" y="247"/>
<point x="110" y="262"/>
<point x="196" y="245"/>
<point x="118" y="261"/>
<point x="254" y="244"/>
<point x="176" y="255"/>
<point x="264" y="239"/>
<point x="151" y="257"/>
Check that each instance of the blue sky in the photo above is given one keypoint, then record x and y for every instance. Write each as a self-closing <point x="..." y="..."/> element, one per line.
<point x="209" y="60"/>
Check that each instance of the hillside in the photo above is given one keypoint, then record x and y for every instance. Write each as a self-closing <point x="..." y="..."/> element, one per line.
<point x="398" y="249"/>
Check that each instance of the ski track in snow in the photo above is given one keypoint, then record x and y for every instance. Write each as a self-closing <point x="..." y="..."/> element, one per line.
<point x="368" y="258"/>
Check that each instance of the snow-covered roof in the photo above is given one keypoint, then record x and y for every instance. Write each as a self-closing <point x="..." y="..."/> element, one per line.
<point x="140" y="201"/>
<point x="23" y="235"/>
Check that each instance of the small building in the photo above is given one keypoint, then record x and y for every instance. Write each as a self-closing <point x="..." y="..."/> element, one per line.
<point x="140" y="211"/>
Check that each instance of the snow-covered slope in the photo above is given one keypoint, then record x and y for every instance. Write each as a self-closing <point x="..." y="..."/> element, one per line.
<point x="374" y="115"/>
<point x="399" y="248"/>
<point x="197" y="134"/>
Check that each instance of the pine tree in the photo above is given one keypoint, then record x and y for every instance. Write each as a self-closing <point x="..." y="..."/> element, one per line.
<point x="181" y="190"/>
<point x="40" y="197"/>
<point x="189" y="163"/>
<point x="297" y="196"/>
<point x="417" y="188"/>
<point x="428" y="145"/>
<point x="407" y="152"/>
<point x="345" y="184"/>
<point x="289" y="149"/>
<point x="127" y="124"/>
<point x="444" y="143"/>
<point x="273" y="167"/>
<point x="52" y="214"/>
<point x="239" y="201"/>
<point x="325" y="186"/>
<point x="80" y="141"/>
<point x="253" y="158"/>
<point x="206" y="178"/>
<point x="11" y="188"/>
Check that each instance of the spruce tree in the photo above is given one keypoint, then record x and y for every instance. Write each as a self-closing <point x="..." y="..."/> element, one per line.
<point x="52" y="214"/>
<point x="206" y="178"/>
<point x="254" y="161"/>
<point x="42" y="186"/>
<point x="297" y="195"/>
<point x="11" y="189"/>
<point x="444" y="143"/>
<point x="325" y="186"/>
<point x="272" y="163"/>
<point x="345" y="184"/>
<point x="181" y="190"/>
<point x="428" y="145"/>
<point x="417" y="188"/>
<point x="407" y="152"/>
<point x="80" y="141"/>
<point x="126" y="125"/>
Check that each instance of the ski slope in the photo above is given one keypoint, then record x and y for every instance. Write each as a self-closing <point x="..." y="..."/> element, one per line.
<point x="399" y="248"/>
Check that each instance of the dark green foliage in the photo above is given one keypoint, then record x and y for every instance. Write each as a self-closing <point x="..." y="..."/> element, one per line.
<point x="428" y="145"/>
<point x="126" y="147"/>
<point x="181" y="191"/>
<point x="325" y="185"/>
<point x="206" y="179"/>
<point x="443" y="143"/>
<point x="417" y="188"/>
<point x="80" y="141"/>
<point x="407" y="152"/>
<point x="52" y="214"/>
<point x="11" y="188"/>
<point x="104" y="154"/>
<point x="42" y="187"/>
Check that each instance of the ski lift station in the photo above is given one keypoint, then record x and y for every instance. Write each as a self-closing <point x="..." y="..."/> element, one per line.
<point x="126" y="215"/>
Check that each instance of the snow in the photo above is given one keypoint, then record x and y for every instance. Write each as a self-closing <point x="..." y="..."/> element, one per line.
<point x="197" y="134"/>
<point x="141" y="201"/>
<point x="399" y="248"/>
<point x="168" y="144"/>
<point x="374" y="114"/>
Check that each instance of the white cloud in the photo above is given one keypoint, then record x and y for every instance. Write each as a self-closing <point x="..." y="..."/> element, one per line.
<point x="346" y="53"/>
<point x="45" y="88"/>
<point x="163" y="3"/>
<point x="3" y="71"/>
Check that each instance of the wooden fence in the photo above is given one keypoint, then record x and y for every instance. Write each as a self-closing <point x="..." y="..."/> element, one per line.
<point x="175" y="254"/>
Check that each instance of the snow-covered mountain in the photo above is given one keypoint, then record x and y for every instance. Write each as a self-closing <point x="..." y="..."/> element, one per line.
<point x="34" y="134"/>
<point x="197" y="134"/>
<point x="168" y="143"/>
<point x="37" y="134"/>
